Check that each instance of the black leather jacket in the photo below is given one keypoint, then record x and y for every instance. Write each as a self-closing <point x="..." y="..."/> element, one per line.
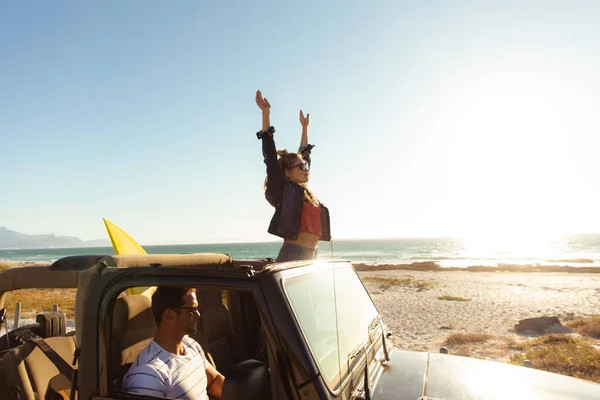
<point x="286" y="196"/>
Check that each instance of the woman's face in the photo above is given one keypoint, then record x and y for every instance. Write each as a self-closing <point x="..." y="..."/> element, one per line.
<point x="298" y="171"/>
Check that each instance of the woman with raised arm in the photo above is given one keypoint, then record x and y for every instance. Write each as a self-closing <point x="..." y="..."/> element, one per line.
<point x="299" y="218"/>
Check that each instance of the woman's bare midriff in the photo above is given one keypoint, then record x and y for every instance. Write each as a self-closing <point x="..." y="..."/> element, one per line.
<point x="305" y="239"/>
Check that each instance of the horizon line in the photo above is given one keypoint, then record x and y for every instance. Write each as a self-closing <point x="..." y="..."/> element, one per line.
<point x="440" y="237"/>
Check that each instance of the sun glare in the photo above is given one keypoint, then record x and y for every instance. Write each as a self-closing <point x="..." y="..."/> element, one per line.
<point x="481" y="380"/>
<point x="512" y="245"/>
<point x="505" y="134"/>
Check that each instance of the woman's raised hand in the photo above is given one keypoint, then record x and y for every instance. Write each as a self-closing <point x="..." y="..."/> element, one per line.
<point x="262" y="102"/>
<point x="304" y="120"/>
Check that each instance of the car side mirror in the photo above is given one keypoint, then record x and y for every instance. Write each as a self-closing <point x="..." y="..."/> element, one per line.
<point x="247" y="380"/>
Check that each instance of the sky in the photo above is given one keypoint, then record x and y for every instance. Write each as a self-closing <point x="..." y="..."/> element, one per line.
<point x="429" y="118"/>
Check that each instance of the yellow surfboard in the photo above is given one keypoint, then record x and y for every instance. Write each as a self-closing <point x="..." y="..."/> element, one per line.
<point x="125" y="244"/>
<point x="121" y="241"/>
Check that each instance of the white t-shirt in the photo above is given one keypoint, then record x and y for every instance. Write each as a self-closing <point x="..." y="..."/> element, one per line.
<point x="159" y="373"/>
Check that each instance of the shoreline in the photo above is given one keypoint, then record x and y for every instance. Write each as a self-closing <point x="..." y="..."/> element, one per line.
<point x="432" y="266"/>
<point x="436" y="267"/>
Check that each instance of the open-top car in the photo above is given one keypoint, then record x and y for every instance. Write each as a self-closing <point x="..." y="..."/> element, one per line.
<point x="294" y="330"/>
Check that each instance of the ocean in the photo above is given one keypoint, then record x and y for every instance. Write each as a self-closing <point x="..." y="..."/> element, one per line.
<point x="575" y="250"/>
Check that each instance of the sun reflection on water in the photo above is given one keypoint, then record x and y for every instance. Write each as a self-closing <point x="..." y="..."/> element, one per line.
<point x="513" y="245"/>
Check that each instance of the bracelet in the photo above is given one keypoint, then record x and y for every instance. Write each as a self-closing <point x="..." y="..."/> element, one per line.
<point x="269" y="132"/>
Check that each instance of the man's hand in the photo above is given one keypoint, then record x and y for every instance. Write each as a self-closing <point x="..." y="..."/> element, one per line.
<point x="262" y="102"/>
<point x="304" y="120"/>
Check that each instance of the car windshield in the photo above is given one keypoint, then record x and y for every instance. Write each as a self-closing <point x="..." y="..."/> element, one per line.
<point x="334" y="311"/>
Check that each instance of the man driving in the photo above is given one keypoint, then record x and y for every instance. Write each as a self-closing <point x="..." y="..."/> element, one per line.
<point x="173" y="365"/>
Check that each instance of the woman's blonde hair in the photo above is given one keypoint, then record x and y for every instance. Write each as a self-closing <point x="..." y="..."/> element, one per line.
<point x="286" y="160"/>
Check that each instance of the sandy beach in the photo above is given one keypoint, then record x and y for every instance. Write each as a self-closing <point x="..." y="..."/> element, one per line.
<point x="496" y="302"/>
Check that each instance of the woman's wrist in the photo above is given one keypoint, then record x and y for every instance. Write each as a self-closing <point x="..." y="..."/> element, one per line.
<point x="268" y="131"/>
<point x="266" y="120"/>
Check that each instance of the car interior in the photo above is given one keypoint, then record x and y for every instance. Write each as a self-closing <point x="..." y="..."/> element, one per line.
<point x="25" y="369"/>
<point x="229" y="331"/>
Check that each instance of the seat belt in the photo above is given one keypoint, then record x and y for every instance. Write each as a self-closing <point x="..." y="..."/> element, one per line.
<point x="63" y="367"/>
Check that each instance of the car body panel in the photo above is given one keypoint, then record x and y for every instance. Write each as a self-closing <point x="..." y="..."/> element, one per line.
<point x="411" y="375"/>
<point x="403" y="377"/>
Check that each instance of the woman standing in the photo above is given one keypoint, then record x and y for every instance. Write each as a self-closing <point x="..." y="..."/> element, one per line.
<point x="299" y="218"/>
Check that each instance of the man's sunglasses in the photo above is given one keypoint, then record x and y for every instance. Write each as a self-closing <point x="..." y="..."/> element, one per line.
<point x="303" y="166"/>
<point x="192" y="310"/>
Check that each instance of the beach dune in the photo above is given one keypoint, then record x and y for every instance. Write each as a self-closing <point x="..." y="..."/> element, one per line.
<point x="423" y="307"/>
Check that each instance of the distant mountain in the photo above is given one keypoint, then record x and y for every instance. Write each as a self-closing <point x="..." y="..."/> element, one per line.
<point x="15" y="240"/>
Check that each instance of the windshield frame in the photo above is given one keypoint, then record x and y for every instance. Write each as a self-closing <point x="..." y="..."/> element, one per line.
<point x="349" y="368"/>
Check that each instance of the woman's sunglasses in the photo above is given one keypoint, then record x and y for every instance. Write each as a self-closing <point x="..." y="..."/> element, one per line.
<point x="303" y="166"/>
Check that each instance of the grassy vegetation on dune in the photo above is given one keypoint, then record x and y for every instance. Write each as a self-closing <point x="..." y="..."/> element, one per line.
<point x="34" y="301"/>
<point x="453" y="298"/>
<point x="587" y="326"/>
<point x="562" y="354"/>
<point x="464" y="338"/>
<point x="559" y="353"/>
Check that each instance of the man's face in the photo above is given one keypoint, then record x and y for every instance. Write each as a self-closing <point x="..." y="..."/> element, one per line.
<point x="188" y="314"/>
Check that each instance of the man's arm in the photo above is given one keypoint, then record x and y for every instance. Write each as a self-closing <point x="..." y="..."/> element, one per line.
<point x="215" y="380"/>
<point x="144" y="380"/>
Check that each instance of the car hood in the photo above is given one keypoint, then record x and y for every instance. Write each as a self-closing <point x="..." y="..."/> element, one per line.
<point x="418" y="375"/>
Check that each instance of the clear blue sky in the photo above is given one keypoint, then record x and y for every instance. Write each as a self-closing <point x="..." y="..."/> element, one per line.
<point x="429" y="118"/>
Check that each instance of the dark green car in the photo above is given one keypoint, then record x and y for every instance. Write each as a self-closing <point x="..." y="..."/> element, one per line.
<point x="294" y="330"/>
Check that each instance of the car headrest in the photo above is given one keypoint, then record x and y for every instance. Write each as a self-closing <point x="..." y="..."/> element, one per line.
<point x="133" y="312"/>
<point x="209" y="298"/>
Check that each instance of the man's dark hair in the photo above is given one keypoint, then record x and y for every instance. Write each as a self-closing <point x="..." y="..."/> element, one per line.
<point x="167" y="297"/>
